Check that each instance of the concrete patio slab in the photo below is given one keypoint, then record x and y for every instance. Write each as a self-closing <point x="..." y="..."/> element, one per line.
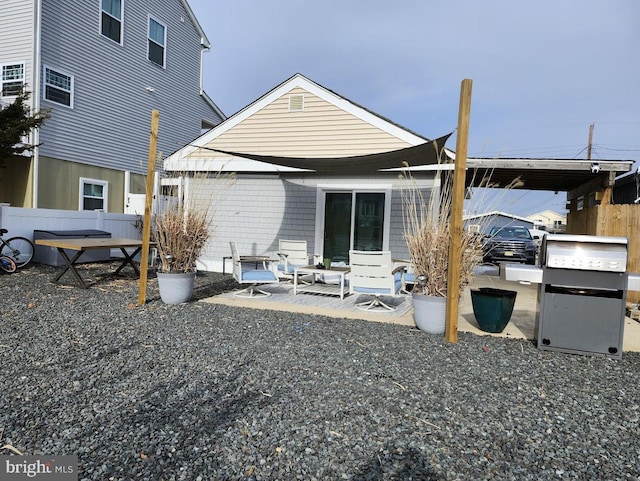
<point x="521" y="325"/>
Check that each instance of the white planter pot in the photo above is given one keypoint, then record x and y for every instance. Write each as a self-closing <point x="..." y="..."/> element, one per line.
<point x="176" y="287"/>
<point x="429" y="313"/>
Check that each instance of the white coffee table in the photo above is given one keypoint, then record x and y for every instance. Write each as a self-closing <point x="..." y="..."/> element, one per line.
<point x="311" y="286"/>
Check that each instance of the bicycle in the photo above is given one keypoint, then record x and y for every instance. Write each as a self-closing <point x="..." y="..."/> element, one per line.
<point x="7" y="264"/>
<point x="19" y="249"/>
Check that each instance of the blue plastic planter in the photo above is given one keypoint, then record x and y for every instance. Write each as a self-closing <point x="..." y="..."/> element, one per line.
<point x="492" y="307"/>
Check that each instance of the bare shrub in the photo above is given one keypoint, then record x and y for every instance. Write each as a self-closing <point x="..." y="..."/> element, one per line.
<point x="428" y="235"/>
<point x="183" y="226"/>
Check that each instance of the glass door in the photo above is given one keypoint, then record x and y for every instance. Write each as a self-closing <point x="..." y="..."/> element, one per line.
<point x="337" y="226"/>
<point x="352" y="220"/>
<point x="369" y="221"/>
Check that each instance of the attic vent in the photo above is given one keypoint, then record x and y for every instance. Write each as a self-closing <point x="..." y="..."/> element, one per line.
<point x="296" y="103"/>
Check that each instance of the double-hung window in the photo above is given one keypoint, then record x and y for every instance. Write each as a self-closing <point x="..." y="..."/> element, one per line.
<point x="157" y="42"/>
<point x="58" y="87"/>
<point x="12" y="81"/>
<point x="111" y="19"/>
<point x="93" y="194"/>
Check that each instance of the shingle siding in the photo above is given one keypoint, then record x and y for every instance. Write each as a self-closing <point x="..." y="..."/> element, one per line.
<point x="256" y="211"/>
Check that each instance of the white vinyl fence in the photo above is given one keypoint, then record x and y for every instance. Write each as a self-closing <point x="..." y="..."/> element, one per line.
<point x="22" y="222"/>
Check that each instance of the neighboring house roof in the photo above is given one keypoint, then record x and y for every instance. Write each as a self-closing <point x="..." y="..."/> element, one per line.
<point x="556" y="175"/>
<point x="627" y="188"/>
<point x="213" y="105"/>
<point x="496" y="213"/>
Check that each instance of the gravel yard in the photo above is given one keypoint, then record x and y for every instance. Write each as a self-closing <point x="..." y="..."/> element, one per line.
<point x="210" y="392"/>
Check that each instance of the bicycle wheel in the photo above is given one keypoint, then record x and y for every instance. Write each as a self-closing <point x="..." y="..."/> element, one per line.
<point x="20" y="249"/>
<point x="7" y="264"/>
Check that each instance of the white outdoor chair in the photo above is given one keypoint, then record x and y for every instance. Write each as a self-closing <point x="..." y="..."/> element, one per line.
<point x="373" y="272"/>
<point x="292" y="253"/>
<point x="408" y="276"/>
<point x="251" y="276"/>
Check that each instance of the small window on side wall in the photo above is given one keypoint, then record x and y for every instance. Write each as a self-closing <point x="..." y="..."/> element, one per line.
<point x="157" y="42"/>
<point x="58" y="87"/>
<point x="111" y="19"/>
<point x="12" y="81"/>
<point x="93" y="194"/>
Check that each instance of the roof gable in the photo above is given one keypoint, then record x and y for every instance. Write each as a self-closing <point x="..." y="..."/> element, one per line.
<point x="326" y="125"/>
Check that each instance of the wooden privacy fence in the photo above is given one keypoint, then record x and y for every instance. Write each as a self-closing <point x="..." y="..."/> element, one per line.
<point x="621" y="220"/>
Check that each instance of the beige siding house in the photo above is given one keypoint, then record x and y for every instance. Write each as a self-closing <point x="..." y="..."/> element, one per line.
<point x="271" y="198"/>
<point x="549" y="220"/>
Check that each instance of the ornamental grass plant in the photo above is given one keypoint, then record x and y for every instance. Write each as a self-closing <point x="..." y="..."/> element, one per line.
<point x="184" y="224"/>
<point x="428" y="235"/>
<point x="180" y="233"/>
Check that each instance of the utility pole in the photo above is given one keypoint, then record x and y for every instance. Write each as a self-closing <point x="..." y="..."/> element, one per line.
<point x="590" y="144"/>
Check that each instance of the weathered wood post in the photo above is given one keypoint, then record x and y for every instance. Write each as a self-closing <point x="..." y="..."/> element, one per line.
<point x="146" y="225"/>
<point x="457" y="204"/>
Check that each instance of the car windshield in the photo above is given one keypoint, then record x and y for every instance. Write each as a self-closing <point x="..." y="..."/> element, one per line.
<point x="511" y="233"/>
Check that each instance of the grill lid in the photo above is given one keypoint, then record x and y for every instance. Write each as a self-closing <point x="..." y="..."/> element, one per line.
<point x="585" y="252"/>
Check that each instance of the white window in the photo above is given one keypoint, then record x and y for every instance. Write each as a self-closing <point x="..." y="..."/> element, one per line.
<point x="111" y="19"/>
<point x="58" y="87"/>
<point x="12" y="81"/>
<point x="93" y="194"/>
<point x="157" y="41"/>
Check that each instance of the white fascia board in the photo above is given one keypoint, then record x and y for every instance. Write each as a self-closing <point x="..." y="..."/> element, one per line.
<point x="550" y="164"/>
<point x="422" y="168"/>
<point x="228" y="164"/>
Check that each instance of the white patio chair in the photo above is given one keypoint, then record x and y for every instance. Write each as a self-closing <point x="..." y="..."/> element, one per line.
<point x="251" y="276"/>
<point x="292" y="253"/>
<point x="373" y="272"/>
<point x="408" y="276"/>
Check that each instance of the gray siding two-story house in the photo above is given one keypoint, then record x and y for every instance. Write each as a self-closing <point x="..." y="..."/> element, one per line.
<point x="101" y="67"/>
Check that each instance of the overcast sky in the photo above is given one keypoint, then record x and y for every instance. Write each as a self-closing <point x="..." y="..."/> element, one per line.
<point x="542" y="71"/>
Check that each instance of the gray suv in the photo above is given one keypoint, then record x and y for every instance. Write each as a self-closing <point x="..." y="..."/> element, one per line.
<point x="509" y="244"/>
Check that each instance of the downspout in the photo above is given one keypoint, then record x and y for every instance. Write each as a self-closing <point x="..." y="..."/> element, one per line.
<point x="127" y="189"/>
<point x="203" y="50"/>
<point x="35" y="99"/>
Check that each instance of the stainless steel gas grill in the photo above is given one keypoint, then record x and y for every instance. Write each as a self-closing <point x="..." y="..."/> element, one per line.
<point x="582" y="294"/>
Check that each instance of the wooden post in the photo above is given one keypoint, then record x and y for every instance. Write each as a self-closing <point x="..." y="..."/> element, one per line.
<point x="457" y="204"/>
<point x="146" y="225"/>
